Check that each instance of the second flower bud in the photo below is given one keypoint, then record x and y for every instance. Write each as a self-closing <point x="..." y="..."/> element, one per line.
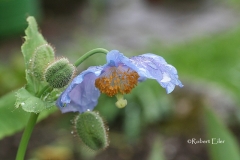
<point x="59" y="73"/>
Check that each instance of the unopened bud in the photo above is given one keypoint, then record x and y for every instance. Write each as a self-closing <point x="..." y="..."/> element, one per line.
<point x="42" y="56"/>
<point x="59" y="73"/>
<point x="92" y="131"/>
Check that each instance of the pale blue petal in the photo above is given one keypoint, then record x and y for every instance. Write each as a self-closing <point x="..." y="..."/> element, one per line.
<point x="115" y="58"/>
<point x="159" y="59"/>
<point x="81" y="95"/>
<point x="155" y="67"/>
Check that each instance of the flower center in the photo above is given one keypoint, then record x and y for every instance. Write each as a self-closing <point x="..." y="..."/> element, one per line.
<point x="117" y="80"/>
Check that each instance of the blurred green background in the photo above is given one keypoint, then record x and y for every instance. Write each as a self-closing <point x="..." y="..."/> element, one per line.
<point x="200" y="38"/>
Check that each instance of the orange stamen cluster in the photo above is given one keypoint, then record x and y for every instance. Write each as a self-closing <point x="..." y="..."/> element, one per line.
<point x="117" y="80"/>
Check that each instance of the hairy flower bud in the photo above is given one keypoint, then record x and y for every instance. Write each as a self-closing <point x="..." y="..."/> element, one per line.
<point x="42" y="56"/>
<point x="91" y="129"/>
<point x="59" y="73"/>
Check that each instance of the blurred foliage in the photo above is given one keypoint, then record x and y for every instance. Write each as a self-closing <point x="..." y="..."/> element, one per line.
<point x="212" y="59"/>
<point x="223" y="144"/>
<point x="13" y="74"/>
<point x="233" y="3"/>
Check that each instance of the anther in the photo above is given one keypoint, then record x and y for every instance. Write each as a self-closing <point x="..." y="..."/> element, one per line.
<point x="117" y="80"/>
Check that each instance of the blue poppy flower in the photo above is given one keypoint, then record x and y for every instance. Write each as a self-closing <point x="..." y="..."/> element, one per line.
<point x="116" y="78"/>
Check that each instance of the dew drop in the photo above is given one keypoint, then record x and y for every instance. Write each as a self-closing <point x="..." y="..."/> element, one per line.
<point x="107" y="129"/>
<point x="96" y="117"/>
<point x="88" y="110"/>
<point x="92" y="125"/>
<point x="166" y="77"/>
<point x="72" y="132"/>
<point x="22" y="103"/>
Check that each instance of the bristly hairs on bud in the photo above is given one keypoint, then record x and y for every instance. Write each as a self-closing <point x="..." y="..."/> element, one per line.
<point x="42" y="57"/>
<point x="92" y="130"/>
<point x="59" y="73"/>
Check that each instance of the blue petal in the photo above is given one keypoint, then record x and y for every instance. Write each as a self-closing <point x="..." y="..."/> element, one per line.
<point x="155" y="67"/>
<point x="115" y="58"/>
<point x="81" y="95"/>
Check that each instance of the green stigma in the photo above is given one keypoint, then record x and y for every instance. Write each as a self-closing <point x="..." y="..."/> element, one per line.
<point x="121" y="102"/>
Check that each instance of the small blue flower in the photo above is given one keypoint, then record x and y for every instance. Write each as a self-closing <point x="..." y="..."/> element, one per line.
<point x="117" y="77"/>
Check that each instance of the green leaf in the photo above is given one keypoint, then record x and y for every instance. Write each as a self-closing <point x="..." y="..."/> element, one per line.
<point x="13" y="120"/>
<point x="33" y="39"/>
<point x="217" y="131"/>
<point x="30" y="103"/>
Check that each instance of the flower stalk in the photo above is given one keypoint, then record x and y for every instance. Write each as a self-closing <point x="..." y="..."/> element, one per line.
<point x="26" y="136"/>
<point x="88" y="54"/>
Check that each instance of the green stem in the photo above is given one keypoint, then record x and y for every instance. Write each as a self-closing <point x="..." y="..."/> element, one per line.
<point x="88" y="54"/>
<point x="46" y="89"/>
<point x="29" y="128"/>
<point x="26" y="136"/>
